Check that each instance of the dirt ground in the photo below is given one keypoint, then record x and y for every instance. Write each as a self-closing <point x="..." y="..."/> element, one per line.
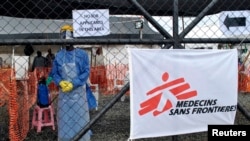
<point x="114" y="125"/>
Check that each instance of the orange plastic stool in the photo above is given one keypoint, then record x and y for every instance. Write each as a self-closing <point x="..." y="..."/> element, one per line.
<point x="43" y="117"/>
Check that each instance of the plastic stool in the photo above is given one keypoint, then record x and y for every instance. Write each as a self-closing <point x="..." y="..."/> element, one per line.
<point x="43" y="117"/>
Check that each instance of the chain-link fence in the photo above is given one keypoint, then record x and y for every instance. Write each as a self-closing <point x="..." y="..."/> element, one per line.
<point x="105" y="29"/>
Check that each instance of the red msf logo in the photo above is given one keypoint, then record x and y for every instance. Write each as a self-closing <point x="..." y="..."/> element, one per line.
<point x="151" y="104"/>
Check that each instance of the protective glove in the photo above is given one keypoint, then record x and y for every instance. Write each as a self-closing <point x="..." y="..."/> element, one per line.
<point x="66" y="86"/>
<point x="48" y="80"/>
<point x="69" y="87"/>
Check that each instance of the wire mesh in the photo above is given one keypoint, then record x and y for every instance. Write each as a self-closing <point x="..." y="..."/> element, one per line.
<point x="107" y="29"/>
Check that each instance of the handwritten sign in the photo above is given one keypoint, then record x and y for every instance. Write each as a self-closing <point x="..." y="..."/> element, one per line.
<point x="91" y="22"/>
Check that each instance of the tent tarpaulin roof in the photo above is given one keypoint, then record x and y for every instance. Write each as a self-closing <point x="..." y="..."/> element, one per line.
<point x="62" y="9"/>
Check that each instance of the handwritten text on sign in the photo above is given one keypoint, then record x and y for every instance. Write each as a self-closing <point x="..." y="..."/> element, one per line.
<point x="91" y="22"/>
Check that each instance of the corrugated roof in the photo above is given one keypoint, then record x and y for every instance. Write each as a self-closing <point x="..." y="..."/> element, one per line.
<point x="23" y="28"/>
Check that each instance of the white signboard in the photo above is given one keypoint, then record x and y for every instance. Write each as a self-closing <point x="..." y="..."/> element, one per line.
<point x="91" y="22"/>
<point x="235" y="22"/>
<point x="182" y="91"/>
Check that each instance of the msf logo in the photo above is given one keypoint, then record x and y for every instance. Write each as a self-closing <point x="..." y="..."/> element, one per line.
<point x="179" y="90"/>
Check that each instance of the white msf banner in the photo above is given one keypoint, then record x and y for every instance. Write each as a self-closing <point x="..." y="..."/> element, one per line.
<point x="181" y="91"/>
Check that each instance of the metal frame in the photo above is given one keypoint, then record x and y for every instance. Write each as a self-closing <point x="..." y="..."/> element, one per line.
<point x="176" y="40"/>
